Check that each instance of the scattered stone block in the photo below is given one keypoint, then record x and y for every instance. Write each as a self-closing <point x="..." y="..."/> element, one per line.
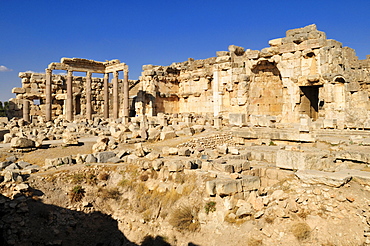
<point x="335" y="179"/>
<point x="175" y="165"/>
<point x="167" y="135"/>
<point x="20" y="143"/>
<point x="103" y="157"/>
<point x="91" y="159"/>
<point x="226" y="187"/>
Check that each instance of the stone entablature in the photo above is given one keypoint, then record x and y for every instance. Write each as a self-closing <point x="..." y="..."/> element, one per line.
<point x="301" y="74"/>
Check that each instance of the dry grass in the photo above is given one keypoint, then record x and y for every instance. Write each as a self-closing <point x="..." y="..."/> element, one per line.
<point x="109" y="193"/>
<point x="270" y="219"/>
<point x="77" y="193"/>
<point x="301" y="230"/>
<point x="303" y="213"/>
<point x="184" y="218"/>
<point x="79" y="178"/>
<point x="104" y="176"/>
<point x="254" y="242"/>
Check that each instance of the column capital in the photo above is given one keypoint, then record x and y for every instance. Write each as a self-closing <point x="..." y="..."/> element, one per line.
<point x="69" y="73"/>
<point x="48" y="71"/>
<point x="88" y="74"/>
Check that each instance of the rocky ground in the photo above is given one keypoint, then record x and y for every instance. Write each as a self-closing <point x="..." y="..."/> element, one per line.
<point x="113" y="184"/>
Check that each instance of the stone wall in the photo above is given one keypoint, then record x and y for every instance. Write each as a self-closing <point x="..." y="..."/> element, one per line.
<point x="303" y="74"/>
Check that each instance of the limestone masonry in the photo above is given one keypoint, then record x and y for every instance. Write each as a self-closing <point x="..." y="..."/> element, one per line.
<point x="300" y="78"/>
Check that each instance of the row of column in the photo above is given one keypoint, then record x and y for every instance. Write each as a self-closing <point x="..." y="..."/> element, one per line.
<point x="69" y="101"/>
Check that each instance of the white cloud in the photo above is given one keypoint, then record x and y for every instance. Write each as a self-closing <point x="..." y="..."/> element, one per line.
<point x="30" y="71"/>
<point x="4" y="69"/>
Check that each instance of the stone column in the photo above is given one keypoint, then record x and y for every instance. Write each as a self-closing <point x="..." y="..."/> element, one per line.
<point x="48" y="75"/>
<point x="26" y="110"/>
<point x="88" y="96"/>
<point x="69" y="111"/>
<point x="126" y="106"/>
<point x="106" y="95"/>
<point x="115" y="95"/>
<point x="217" y="97"/>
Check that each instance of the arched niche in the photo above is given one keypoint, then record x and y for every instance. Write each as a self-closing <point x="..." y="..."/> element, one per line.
<point x="265" y="90"/>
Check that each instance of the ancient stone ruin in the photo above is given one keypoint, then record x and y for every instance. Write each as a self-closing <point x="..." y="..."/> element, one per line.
<point x="251" y="147"/>
<point x="70" y="96"/>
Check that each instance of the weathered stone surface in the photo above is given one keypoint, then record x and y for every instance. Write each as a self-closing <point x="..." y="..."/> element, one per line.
<point x="250" y="182"/>
<point x="335" y="179"/>
<point x="70" y="138"/>
<point x="226" y="187"/>
<point x="300" y="160"/>
<point x="103" y="157"/>
<point x="101" y="144"/>
<point x="167" y="135"/>
<point x="175" y="165"/>
<point x="91" y="159"/>
<point x="22" y="143"/>
<point x="183" y="151"/>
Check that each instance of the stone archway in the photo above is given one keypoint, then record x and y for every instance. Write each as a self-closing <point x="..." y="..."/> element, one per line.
<point x="265" y="90"/>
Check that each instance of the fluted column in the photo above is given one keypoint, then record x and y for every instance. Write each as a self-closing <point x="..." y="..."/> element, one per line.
<point x="69" y="110"/>
<point x="126" y="105"/>
<point x="88" y="96"/>
<point x="115" y="95"/>
<point x="106" y="95"/>
<point x="26" y="110"/>
<point x="48" y="75"/>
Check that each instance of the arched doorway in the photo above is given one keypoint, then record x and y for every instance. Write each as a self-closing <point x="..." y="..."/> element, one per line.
<point x="266" y="90"/>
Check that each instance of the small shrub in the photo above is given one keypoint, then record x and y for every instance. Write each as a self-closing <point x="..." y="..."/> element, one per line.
<point x="210" y="207"/>
<point x="270" y="219"/>
<point x="91" y="178"/>
<point x="103" y="176"/>
<point x="144" y="177"/>
<point x="301" y="230"/>
<point x="272" y="143"/>
<point x="77" y="193"/>
<point x="184" y="218"/>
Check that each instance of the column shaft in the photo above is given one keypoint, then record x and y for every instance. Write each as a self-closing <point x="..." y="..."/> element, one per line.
<point x="48" y="75"/>
<point x="106" y="95"/>
<point x="115" y="95"/>
<point x="69" y="110"/>
<point x="26" y="110"/>
<point x="88" y="96"/>
<point x="126" y="105"/>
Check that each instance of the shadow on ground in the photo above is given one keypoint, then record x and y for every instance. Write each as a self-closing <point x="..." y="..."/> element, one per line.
<point x="28" y="222"/>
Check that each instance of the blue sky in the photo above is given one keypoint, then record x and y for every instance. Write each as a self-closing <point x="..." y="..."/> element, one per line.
<point x="36" y="33"/>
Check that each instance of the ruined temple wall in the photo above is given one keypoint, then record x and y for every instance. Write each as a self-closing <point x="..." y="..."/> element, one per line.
<point x="302" y="74"/>
<point x="33" y="89"/>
